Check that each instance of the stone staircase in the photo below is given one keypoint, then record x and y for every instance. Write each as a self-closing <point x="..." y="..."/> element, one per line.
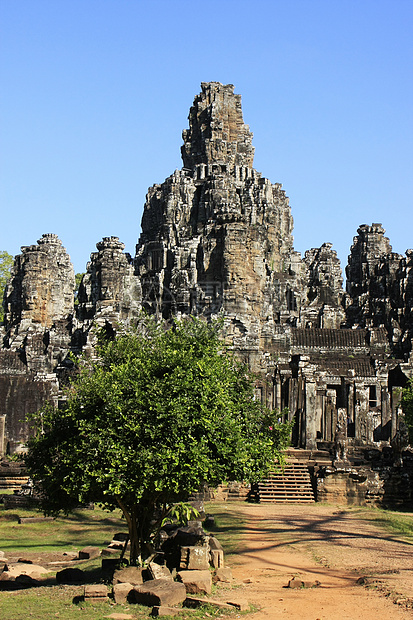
<point x="293" y="485"/>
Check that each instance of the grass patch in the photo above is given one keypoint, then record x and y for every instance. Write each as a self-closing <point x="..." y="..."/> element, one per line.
<point x="391" y="521"/>
<point x="229" y="526"/>
<point x="71" y="533"/>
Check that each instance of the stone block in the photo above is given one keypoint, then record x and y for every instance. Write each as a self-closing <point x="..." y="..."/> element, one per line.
<point x="121" y="592"/>
<point x="159" y="572"/>
<point x="296" y="583"/>
<point x="96" y="593"/>
<point x="193" y="602"/>
<point x="158" y="593"/>
<point x="70" y="575"/>
<point x="130" y="574"/>
<point x="88" y="553"/>
<point x="196" y="581"/>
<point x="217" y="558"/>
<point x="214" y="543"/>
<point x="223" y="574"/>
<point x="239" y="603"/>
<point x="194" y="558"/>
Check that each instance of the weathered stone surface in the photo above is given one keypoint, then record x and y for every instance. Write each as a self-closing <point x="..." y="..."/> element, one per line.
<point x="121" y="591"/>
<point x="194" y="602"/>
<point x="130" y="574"/>
<point x="223" y="574"/>
<point x="194" y="558"/>
<point x="159" y="592"/>
<point x="239" y="603"/>
<point x="217" y="558"/>
<point x="96" y="593"/>
<point x="214" y="543"/>
<point x="89" y="553"/>
<point x="159" y="572"/>
<point x="196" y="581"/>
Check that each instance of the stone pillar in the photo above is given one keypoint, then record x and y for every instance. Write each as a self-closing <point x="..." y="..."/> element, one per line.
<point x="2" y="435"/>
<point x="311" y="415"/>
<point x="361" y="413"/>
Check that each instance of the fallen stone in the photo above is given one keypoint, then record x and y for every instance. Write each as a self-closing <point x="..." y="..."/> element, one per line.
<point x="163" y="610"/>
<point x="70" y="575"/>
<point x="215" y="544"/>
<point x="23" y="520"/>
<point x="23" y="568"/>
<point x="296" y="583"/>
<point x="194" y="602"/>
<point x="88" y="553"/>
<point x="217" y="558"/>
<point x="223" y="574"/>
<point x="121" y="536"/>
<point x="121" y="592"/>
<point x="129" y="574"/>
<point x="249" y="580"/>
<point x="110" y="551"/>
<point x="23" y="561"/>
<point x="71" y="555"/>
<point x="239" y="603"/>
<point x="96" y="593"/>
<point x="196" y="581"/>
<point x="209" y="522"/>
<point x="26" y="580"/>
<point x="110" y="564"/>
<point x="159" y="572"/>
<point x="116" y="616"/>
<point x="194" y="558"/>
<point x="158" y="593"/>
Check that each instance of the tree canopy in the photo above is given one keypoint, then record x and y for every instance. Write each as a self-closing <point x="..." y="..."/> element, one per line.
<point x="6" y="263"/>
<point x="160" y="413"/>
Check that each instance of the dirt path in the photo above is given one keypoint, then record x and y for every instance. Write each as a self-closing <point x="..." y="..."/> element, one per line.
<point x="329" y="545"/>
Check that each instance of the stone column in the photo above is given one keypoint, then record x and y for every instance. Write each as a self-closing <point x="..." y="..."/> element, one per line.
<point x="2" y="435"/>
<point x="311" y="415"/>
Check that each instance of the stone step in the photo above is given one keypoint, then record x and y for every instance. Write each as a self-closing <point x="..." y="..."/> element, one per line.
<point x="292" y="485"/>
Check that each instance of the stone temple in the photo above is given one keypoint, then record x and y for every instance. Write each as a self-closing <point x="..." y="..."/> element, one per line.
<point x="217" y="239"/>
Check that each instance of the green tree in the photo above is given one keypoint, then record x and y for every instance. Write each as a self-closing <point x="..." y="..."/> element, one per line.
<point x="162" y="412"/>
<point x="6" y="263"/>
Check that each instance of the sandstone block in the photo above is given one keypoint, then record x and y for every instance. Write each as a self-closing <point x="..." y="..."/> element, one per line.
<point x="194" y="602"/>
<point x="158" y="593"/>
<point x="194" y="558"/>
<point x="239" y="603"/>
<point x="296" y="583"/>
<point x="159" y="572"/>
<point x="70" y="575"/>
<point x="88" y="553"/>
<point x="121" y="592"/>
<point x="214" y="543"/>
<point x="96" y="592"/>
<point x="196" y="581"/>
<point x="130" y="574"/>
<point x="217" y="558"/>
<point x="223" y="574"/>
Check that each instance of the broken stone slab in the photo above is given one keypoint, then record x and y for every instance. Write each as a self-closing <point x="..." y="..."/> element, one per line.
<point x="216" y="558"/>
<point x="89" y="553"/>
<point x="26" y="581"/>
<point x="158" y="571"/>
<point x="116" y="616"/>
<point x="23" y="568"/>
<point x="194" y="602"/>
<point x="23" y="520"/>
<point x="96" y="593"/>
<point x="129" y="574"/>
<point x="194" y="558"/>
<point x="110" y="551"/>
<point x="163" y="610"/>
<point x="223" y="574"/>
<point x="121" y="592"/>
<point x="159" y="592"/>
<point x="239" y="603"/>
<point x="196" y="581"/>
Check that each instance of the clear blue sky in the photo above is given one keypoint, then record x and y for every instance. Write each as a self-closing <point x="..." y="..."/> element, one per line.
<point x="95" y="94"/>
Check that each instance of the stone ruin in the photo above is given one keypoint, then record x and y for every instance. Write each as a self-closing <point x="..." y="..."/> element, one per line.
<point x="217" y="239"/>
